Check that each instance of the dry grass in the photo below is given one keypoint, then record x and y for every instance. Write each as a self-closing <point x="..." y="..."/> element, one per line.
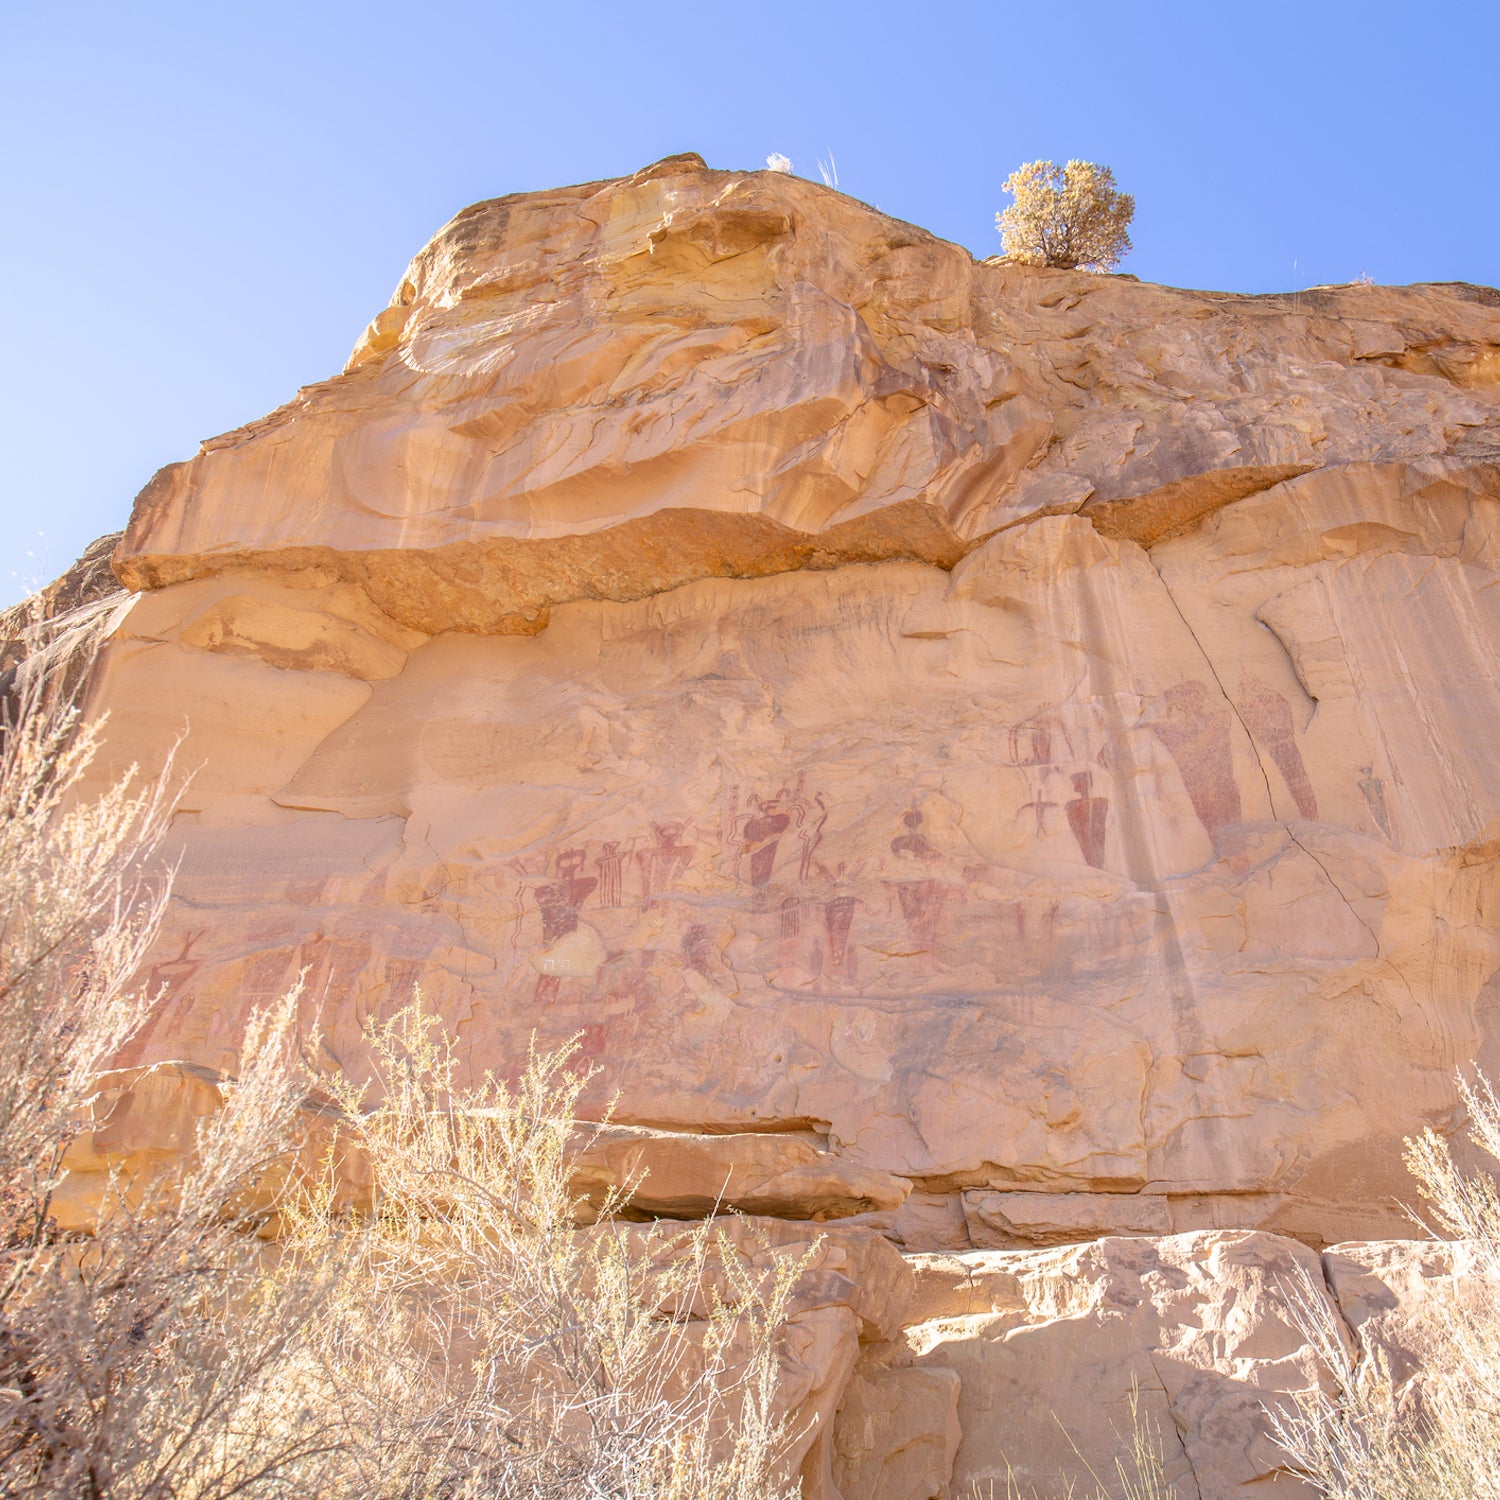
<point x="486" y="1343"/>
<point x="1436" y="1437"/>
<point x="1140" y="1468"/>
<point x="469" y="1335"/>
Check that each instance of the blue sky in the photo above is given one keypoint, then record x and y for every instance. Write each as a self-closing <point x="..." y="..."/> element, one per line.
<point x="205" y="203"/>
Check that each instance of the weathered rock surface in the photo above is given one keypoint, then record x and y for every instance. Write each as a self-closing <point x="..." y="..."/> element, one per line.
<point x="1000" y="754"/>
<point x="1205" y="1333"/>
<point x="681" y="1176"/>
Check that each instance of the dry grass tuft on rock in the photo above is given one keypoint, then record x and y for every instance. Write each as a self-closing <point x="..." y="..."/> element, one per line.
<point x="1435" y="1436"/>
<point x="1072" y="217"/>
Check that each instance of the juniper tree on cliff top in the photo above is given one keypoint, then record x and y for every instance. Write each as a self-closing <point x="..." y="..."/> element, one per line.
<point x="1071" y="217"/>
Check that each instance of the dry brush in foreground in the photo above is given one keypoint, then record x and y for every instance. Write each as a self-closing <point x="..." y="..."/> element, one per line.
<point x="229" y="1329"/>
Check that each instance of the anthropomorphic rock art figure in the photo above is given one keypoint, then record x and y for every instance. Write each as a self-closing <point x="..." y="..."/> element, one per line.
<point x="761" y="831"/>
<point x="914" y="844"/>
<point x="1039" y="741"/>
<point x="1039" y="807"/>
<point x="1056" y="764"/>
<point x="1268" y="716"/>
<point x="1194" y="723"/>
<point x="922" y="898"/>
<point x="922" y="903"/>
<point x="838" y="919"/>
<point x="791" y="919"/>
<point x="562" y="899"/>
<point x="610" y="865"/>
<point x="810" y="835"/>
<point x="559" y="902"/>
<point x="174" y="974"/>
<point x="663" y="861"/>
<point x="698" y="951"/>
<point x="1088" y="817"/>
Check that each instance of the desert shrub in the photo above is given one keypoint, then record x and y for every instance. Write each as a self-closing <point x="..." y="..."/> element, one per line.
<point x="228" y="1329"/>
<point x="1437" y="1437"/>
<point x="489" y="1342"/>
<point x="144" y="1359"/>
<point x="1072" y="217"/>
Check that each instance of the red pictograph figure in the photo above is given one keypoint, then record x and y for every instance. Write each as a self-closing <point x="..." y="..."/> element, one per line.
<point x="559" y="902"/>
<point x="914" y="844"/>
<point x="662" y="863"/>
<point x="1193" y="722"/>
<point x="562" y="899"/>
<point x="174" y="974"/>
<point x="1088" y="817"/>
<point x="1268" y="716"/>
<point x="921" y="900"/>
<point x="610" y="865"/>
<point x="761" y="831"/>
<point x="922" y="904"/>
<point x="838" y="919"/>
<point x="1040" y="808"/>
<point x="1033" y="740"/>
<point x="698" y="951"/>
<point x="1372" y="789"/>
<point x="811" y="835"/>
<point x="762" y="837"/>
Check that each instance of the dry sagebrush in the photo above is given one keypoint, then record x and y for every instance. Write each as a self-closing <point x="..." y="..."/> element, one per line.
<point x="132" y="1362"/>
<point x="466" y="1335"/>
<point x="486" y="1343"/>
<point x="1436" y="1437"/>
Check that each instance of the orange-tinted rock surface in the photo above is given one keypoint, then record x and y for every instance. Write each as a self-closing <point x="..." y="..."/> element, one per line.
<point x="1005" y="753"/>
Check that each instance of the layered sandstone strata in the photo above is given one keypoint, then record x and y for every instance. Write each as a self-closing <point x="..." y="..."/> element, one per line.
<point x="998" y="757"/>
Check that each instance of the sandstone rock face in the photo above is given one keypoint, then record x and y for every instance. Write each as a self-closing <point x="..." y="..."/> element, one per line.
<point x="1197" y="1337"/>
<point x="1048" y="1347"/>
<point x="999" y="755"/>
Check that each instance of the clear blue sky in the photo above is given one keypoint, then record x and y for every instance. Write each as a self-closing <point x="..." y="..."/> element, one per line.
<point x="205" y="202"/>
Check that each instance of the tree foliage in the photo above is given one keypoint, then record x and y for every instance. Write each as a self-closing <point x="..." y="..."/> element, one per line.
<point x="1071" y="217"/>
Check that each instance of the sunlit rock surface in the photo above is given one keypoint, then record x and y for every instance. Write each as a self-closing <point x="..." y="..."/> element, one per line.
<point x="1000" y="757"/>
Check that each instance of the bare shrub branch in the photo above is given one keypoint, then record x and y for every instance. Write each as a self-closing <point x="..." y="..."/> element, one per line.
<point x="494" y="1342"/>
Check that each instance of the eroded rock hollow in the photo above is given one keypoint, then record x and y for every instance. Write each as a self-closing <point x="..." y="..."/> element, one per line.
<point x="988" y="758"/>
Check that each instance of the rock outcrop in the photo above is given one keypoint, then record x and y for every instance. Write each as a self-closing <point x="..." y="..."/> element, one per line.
<point x="997" y="757"/>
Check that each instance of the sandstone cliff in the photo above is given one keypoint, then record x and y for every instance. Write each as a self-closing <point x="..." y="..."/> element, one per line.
<point x="997" y="757"/>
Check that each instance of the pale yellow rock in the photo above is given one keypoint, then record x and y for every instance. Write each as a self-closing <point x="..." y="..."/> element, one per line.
<point x="999" y="1219"/>
<point x="1396" y="1296"/>
<point x="1107" y="856"/>
<point x="690" y="1176"/>
<point x="1048" y="1346"/>
<point x="140" y="1118"/>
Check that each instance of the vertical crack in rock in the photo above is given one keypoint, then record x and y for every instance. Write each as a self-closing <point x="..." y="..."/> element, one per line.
<point x="1209" y="662"/>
